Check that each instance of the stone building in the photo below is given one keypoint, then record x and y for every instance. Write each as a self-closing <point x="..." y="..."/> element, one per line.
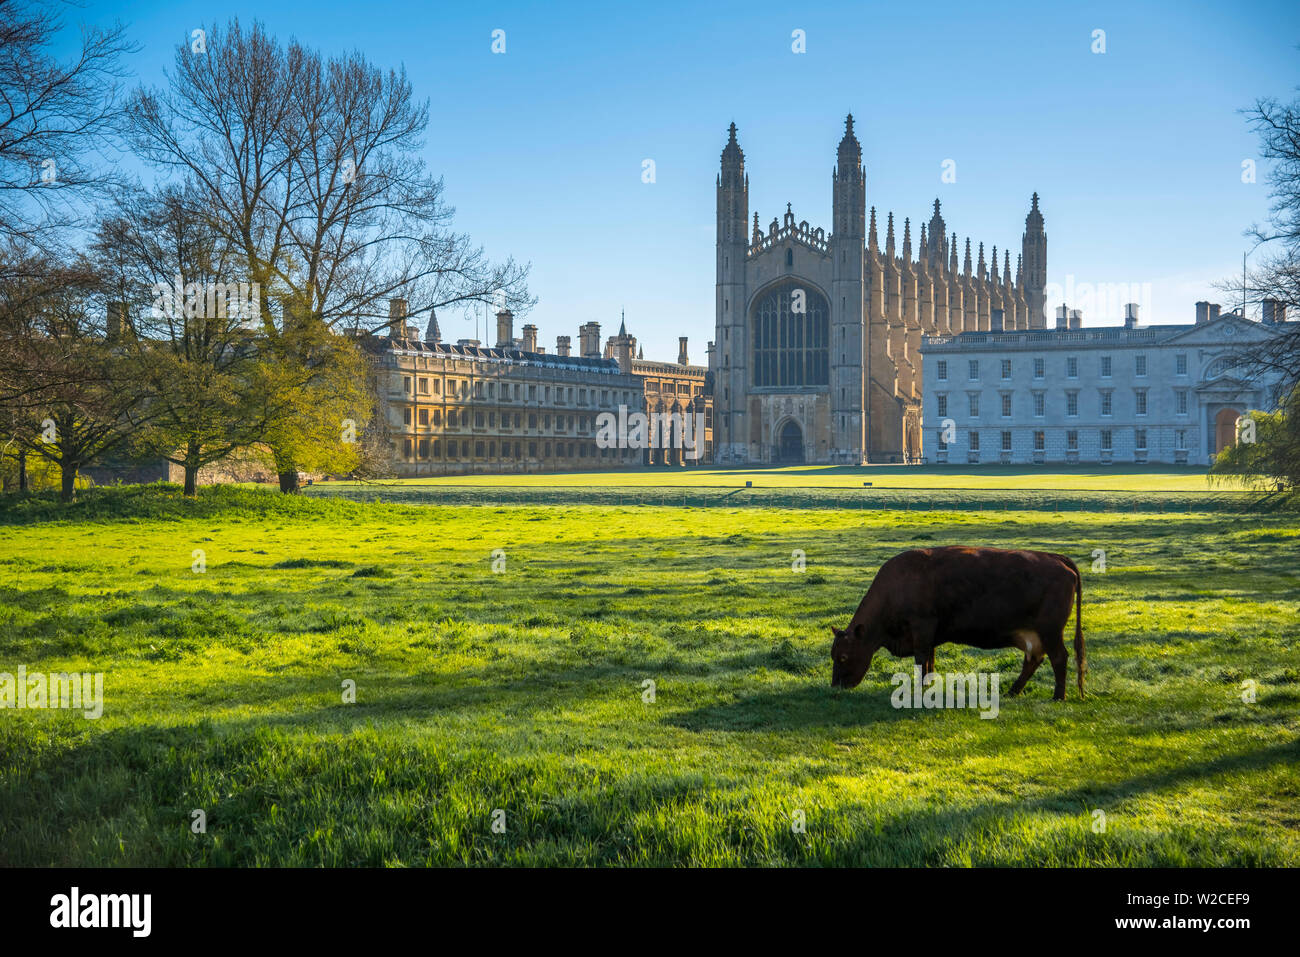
<point x="512" y="407"/>
<point x="818" y="334"/>
<point x="1162" y="393"/>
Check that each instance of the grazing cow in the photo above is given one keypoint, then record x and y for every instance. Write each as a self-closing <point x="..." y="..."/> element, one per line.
<point x="985" y="597"/>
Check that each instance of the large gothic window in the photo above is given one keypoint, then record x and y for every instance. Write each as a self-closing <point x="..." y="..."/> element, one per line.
<point x="791" y="337"/>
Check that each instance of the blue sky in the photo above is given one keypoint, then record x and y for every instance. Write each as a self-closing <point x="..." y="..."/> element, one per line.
<point x="1136" y="153"/>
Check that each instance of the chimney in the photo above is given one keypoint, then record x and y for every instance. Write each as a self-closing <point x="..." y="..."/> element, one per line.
<point x="1076" y="318"/>
<point x="561" y="345"/>
<point x="709" y="352"/>
<point x="589" y="340"/>
<point x="530" y="338"/>
<point x="1130" y="315"/>
<point x="682" y="359"/>
<point x="1062" y="316"/>
<point x="505" y="329"/>
<point x="1214" y="312"/>
<point x="116" y="320"/>
<point x="995" y="320"/>
<point x="1274" y="310"/>
<point x="1202" y="311"/>
<point x="397" y="317"/>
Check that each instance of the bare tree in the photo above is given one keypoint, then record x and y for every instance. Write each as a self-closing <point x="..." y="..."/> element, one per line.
<point x="309" y="167"/>
<point x="55" y="119"/>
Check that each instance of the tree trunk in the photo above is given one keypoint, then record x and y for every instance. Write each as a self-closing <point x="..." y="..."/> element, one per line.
<point x="69" y="490"/>
<point x="191" y="469"/>
<point x="22" y="471"/>
<point x="289" y="482"/>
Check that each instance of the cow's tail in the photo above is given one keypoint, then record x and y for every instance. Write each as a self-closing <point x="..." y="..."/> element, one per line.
<point x="1080" y="663"/>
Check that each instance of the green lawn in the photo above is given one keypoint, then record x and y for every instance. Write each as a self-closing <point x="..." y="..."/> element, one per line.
<point x="523" y="690"/>
<point x="1098" y="478"/>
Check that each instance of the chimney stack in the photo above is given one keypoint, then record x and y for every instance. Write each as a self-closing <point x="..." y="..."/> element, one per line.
<point x="995" y="320"/>
<point x="589" y="340"/>
<point x="1214" y="312"/>
<point x="505" y="329"/>
<point x="116" y="320"/>
<point x="682" y="359"/>
<point x="397" y="317"/>
<point x="561" y="345"/>
<point x="1274" y="310"/>
<point x="1130" y="315"/>
<point x="1202" y="311"/>
<point x="530" y="338"/>
<point x="1062" y="316"/>
<point x="1076" y="318"/>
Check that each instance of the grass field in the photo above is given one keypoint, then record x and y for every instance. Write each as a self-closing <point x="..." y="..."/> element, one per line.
<point x="1163" y="478"/>
<point x="522" y="690"/>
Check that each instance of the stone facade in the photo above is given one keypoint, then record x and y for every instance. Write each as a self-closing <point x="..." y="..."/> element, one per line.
<point x="818" y="335"/>
<point x="1163" y="393"/>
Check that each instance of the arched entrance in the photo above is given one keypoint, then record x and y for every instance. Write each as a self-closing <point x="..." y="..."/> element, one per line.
<point x="1225" y="429"/>
<point x="789" y="449"/>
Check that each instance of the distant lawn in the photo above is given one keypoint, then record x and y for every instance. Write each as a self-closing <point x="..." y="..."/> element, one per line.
<point x="523" y="691"/>
<point x="1097" y="478"/>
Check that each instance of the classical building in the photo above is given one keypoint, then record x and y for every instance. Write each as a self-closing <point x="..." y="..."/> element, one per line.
<point x="467" y="408"/>
<point x="1161" y="393"/>
<point x="818" y="333"/>
<point x="513" y="407"/>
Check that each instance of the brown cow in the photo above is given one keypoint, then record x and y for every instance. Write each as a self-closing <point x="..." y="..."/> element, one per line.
<point x="985" y="597"/>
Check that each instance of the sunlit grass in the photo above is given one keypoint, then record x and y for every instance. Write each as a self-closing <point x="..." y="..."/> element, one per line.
<point x="523" y="691"/>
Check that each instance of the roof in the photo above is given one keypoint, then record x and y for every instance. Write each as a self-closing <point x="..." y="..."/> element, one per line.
<point x="419" y="347"/>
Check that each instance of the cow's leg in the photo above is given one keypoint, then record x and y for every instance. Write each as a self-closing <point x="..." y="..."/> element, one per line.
<point x="1028" y="642"/>
<point x="1060" y="657"/>
<point x="922" y="631"/>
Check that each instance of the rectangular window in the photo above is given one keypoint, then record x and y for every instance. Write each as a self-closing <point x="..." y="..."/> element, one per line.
<point x="974" y="441"/>
<point x="942" y="442"/>
<point x="1072" y="368"/>
<point x="1105" y="440"/>
<point x="1006" y="440"/>
<point x="1105" y="367"/>
<point x="1006" y="368"/>
<point x="1180" y="364"/>
<point x="1071" y="403"/>
<point x="424" y="416"/>
<point x="941" y="405"/>
<point x="1140" y="439"/>
<point x="941" y="369"/>
<point x="1180" y="439"/>
<point x="424" y="448"/>
<point x="973" y="404"/>
<point x="1039" y="368"/>
<point x="1140" y="365"/>
<point x="1006" y="405"/>
<point x="1106" y="402"/>
<point x="1040" y="441"/>
<point x="1072" y="440"/>
<point x="424" y="386"/>
<point x="1040" y="403"/>
<point x="1181" y="396"/>
<point x="1141" y="396"/>
<point x="973" y="369"/>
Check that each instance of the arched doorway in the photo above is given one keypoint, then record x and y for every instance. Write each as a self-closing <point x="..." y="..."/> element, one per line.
<point x="1225" y="429"/>
<point x="790" y="444"/>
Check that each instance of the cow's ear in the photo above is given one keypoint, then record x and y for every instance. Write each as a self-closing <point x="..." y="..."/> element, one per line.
<point x="859" y="632"/>
<point x="836" y="632"/>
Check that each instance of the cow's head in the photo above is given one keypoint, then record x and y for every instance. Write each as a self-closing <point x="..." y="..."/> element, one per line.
<point x="851" y="653"/>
